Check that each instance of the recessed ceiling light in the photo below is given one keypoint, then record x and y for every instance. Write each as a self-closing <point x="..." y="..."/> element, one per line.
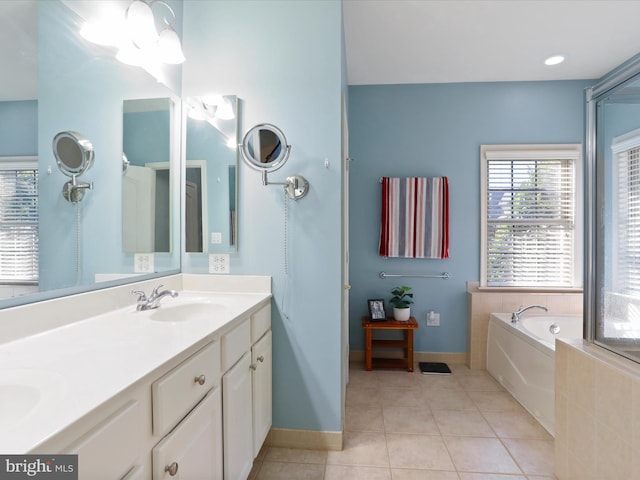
<point x="555" y="60"/>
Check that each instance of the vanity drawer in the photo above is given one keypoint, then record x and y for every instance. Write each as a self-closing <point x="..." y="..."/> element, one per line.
<point x="260" y="323"/>
<point x="235" y="343"/>
<point x="177" y="392"/>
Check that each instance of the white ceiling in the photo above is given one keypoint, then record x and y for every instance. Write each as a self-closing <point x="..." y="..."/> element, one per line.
<point x="437" y="41"/>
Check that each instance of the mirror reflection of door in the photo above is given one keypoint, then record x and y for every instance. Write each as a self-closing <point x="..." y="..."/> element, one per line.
<point x="146" y="214"/>
<point x="146" y="142"/>
<point x="138" y="193"/>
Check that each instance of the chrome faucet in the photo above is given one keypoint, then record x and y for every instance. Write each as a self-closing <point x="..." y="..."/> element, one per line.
<point x="153" y="301"/>
<point x="515" y="316"/>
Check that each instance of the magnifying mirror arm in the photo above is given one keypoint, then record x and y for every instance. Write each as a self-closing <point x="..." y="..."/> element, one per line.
<point x="295" y="186"/>
<point x="265" y="180"/>
<point x="73" y="192"/>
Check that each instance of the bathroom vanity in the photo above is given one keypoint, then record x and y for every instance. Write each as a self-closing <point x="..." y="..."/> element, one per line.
<point x="183" y="390"/>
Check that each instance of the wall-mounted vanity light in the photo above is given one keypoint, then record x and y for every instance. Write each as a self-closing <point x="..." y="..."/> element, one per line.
<point x="135" y="35"/>
<point x="265" y="148"/>
<point x="141" y="27"/>
<point x="74" y="156"/>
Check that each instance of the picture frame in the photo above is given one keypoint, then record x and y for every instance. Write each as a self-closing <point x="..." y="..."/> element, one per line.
<point x="376" y="310"/>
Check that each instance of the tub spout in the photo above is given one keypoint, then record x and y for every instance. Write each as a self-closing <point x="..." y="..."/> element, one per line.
<point x="515" y="316"/>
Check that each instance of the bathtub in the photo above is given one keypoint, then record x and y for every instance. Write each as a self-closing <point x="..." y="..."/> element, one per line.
<point x="521" y="357"/>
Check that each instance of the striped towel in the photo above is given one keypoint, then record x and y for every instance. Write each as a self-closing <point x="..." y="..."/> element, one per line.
<point x="415" y="217"/>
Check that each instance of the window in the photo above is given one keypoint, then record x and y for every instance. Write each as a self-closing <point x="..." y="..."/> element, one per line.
<point x="626" y="214"/>
<point x="18" y="220"/>
<point x="531" y="216"/>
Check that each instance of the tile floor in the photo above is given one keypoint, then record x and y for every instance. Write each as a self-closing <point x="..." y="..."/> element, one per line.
<point x="410" y="426"/>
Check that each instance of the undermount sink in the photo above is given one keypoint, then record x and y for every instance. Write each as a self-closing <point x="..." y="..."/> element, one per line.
<point x="176" y="311"/>
<point x="17" y="402"/>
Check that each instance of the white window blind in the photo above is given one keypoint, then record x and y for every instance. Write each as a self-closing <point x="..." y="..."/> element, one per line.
<point x="18" y="221"/>
<point x="530" y="218"/>
<point x="627" y="261"/>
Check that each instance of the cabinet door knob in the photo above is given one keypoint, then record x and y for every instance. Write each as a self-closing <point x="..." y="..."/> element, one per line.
<point x="172" y="469"/>
<point x="200" y="380"/>
<point x="253" y="366"/>
<point x="261" y="358"/>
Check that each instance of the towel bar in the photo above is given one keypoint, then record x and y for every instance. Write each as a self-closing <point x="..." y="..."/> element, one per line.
<point x="444" y="275"/>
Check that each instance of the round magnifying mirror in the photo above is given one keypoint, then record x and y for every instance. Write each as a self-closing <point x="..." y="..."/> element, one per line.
<point x="265" y="147"/>
<point x="73" y="152"/>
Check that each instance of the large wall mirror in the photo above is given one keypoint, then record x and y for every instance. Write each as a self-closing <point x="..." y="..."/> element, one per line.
<point x="80" y="87"/>
<point x="210" y="187"/>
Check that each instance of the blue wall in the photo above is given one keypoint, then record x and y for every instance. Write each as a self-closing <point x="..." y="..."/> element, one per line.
<point x="437" y="130"/>
<point x="284" y="61"/>
<point x="19" y="128"/>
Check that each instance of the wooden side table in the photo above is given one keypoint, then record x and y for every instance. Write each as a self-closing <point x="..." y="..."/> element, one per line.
<point x="406" y="344"/>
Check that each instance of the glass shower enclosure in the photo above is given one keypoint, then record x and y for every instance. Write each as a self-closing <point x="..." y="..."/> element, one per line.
<point x="612" y="209"/>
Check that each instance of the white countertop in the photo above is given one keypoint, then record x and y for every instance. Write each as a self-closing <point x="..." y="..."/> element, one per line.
<point x="51" y="379"/>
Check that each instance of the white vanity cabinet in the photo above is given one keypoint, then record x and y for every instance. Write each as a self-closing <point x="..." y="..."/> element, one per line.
<point x="246" y="392"/>
<point x="202" y="412"/>
<point x="261" y="385"/>
<point x="237" y="420"/>
<point x="161" y="428"/>
<point x="193" y="449"/>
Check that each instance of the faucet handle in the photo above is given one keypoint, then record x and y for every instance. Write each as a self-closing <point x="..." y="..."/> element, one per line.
<point x="142" y="297"/>
<point x="156" y="290"/>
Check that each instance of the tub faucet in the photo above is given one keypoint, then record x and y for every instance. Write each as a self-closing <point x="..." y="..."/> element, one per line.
<point x="153" y="301"/>
<point x="515" y="316"/>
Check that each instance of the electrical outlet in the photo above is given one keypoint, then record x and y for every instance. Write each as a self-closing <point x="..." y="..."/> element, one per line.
<point x="143" y="263"/>
<point x="433" y="319"/>
<point x="216" y="238"/>
<point x="219" y="263"/>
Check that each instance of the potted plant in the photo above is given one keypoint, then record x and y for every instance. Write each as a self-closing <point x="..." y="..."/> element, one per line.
<point x="401" y="300"/>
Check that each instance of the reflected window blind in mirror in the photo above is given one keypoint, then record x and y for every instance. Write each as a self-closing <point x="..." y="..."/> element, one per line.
<point x="18" y="220"/>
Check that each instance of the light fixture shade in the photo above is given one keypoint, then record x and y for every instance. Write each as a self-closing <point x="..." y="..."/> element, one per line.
<point x="225" y="111"/>
<point x="197" y="113"/>
<point x="169" y="48"/>
<point x="141" y="25"/>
